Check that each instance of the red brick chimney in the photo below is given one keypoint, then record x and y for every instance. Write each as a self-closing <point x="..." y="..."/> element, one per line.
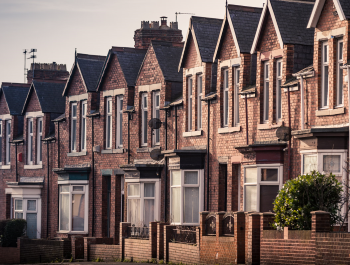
<point x="47" y="71"/>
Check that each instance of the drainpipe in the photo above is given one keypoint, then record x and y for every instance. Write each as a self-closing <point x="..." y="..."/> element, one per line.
<point x="246" y="117"/>
<point x="16" y="163"/>
<point x="129" y="118"/>
<point x="175" y="128"/>
<point x="302" y="101"/>
<point x="290" y="137"/>
<point x="165" y="165"/>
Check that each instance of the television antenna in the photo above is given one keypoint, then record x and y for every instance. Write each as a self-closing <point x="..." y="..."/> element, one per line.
<point x="33" y="56"/>
<point x="179" y="13"/>
<point x="25" y="51"/>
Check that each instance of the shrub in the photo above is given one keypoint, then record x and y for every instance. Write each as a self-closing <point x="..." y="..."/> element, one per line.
<point x="3" y="224"/>
<point x="14" y="228"/>
<point x="299" y="197"/>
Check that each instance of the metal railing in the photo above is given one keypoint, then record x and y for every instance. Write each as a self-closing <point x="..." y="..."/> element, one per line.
<point x="185" y="234"/>
<point x="134" y="231"/>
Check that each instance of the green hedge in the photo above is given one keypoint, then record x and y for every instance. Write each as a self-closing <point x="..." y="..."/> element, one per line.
<point x="11" y="230"/>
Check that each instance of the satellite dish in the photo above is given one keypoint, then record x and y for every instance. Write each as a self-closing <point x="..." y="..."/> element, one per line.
<point x="155" y="123"/>
<point x="283" y="133"/>
<point x="156" y="154"/>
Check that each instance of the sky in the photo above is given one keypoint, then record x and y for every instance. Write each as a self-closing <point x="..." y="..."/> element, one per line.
<point x="57" y="27"/>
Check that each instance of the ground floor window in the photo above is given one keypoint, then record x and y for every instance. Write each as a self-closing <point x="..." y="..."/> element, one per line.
<point x="186" y="196"/>
<point x="143" y="202"/>
<point x="261" y="185"/>
<point x="73" y="208"/>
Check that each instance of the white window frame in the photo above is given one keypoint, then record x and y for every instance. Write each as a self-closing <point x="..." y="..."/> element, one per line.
<point x="266" y="92"/>
<point x="83" y="125"/>
<point x="39" y="133"/>
<point x="324" y="64"/>
<point x="200" y="185"/>
<point x="236" y="96"/>
<point x="109" y="123"/>
<point x="144" y="128"/>
<point x="340" y="78"/>
<point x="279" y="70"/>
<point x="1" y="141"/>
<point x="86" y="204"/>
<point x="156" y="109"/>
<point x="190" y="103"/>
<point x="199" y="101"/>
<point x="8" y="144"/>
<point x="157" y="197"/>
<point x="226" y="100"/>
<point x="119" y="122"/>
<point x="30" y="140"/>
<point x="259" y="182"/>
<point x="73" y="133"/>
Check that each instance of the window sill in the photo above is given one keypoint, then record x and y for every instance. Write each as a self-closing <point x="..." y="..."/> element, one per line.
<point x="330" y="112"/>
<point x="269" y="126"/>
<point x="193" y="133"/>
<point x="33" y="166"/>
<point x="5" y="167"/>
<point x="113" y="151"/>
<point x="229" y="129"/>
<point x="73" y="233"/>
<point x="84" y="153"/>
<point x="146" y="149"/>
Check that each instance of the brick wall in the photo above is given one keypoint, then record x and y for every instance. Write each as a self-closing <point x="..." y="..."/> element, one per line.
<point x="184" y="253"/>
<point x="10" y="255"/>
<point x="104" y="252"/>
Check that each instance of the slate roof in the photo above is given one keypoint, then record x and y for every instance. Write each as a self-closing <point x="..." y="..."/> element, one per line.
<point x="345" y="4"/>
<point x="168" y="58"/>
<point x="207" y="32"/>
<point x="292" y="18"/>
<point x="15" y="97"/>
<point x="91" y="69"/>
<point x="245" y="21"/>
<point x="49" y="95"/>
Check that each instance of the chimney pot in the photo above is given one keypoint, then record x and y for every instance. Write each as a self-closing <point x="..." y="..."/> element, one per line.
<point x="163" y="21"/>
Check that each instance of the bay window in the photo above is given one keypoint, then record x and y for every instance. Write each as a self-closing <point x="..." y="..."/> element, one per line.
<point x="83" y="125"/>
<point x="73" y="127"/>
<point x="261" y="186"/>
<point x="266" y="93"/>
<point x="73" y="208"/>
<point x="186" y="196"/>
<point x="236" y="97"/>
<point x="189" y="112"/>
<point x="225" y="99"/>
<point x="30" y="139"/>
<point x="39" y="132"/>
<point x="325" y="77"/>
<point x="340" y="73"/>
<point x="8" y="145"/>
<point x="109" y="123"/>
<point x="143" y="202"/>
<point x="278" y="90"/>
<point x="156" y="106"/>
<point x="119" y="122"/>
<point x="199" y="101"/>
<point x="144" y="115"/>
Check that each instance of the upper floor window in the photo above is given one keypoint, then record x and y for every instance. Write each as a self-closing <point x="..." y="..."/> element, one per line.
<point x="189" y="88"/>
<point x="266" y="93"/>
<point x="225" y="98"/>
<point x="199" y="101"/>
<point x="144" y="115"/>
<point x="109" y="123"/>
<point x="278" y="90"/>
<point x="39" y="132"/>
<point x="83" y="125"/>
<point x="30" y="139"/>
<point x="236" y="96"/>
<point x="119" y="121"/>
<point x="156" y="106"/>
<point x="340" y="100"/>
<point x="325" y="77"/>
<point x="8" y="138"/>
<point x="74" y="127"/>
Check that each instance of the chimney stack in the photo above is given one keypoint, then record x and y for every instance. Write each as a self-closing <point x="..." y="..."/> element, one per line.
<point x="163" y="21"/>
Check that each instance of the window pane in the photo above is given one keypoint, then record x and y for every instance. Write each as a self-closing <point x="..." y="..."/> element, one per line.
<point x="31" y="205"/>
<point x="325" y="53"/>
<point x="145" y="126"/>
<point x="191" y="205"/>
<point x="175" y="177"/>
<point x="64" y="188"/>
<point x="18" y="215"/>
<point x="279" y="99"/>
<point x="340" y="50"/>
<point x="266" y="101"/>
<point x="266" y="71"/>
<point x="64" y="212"/>
<point x="149" y="190"/>
<point x="250" y="175"/>
<point x="250" y="198"/>
<point x="175" y="204"/>
<point x="331" y="163"/>
<point x="340" y="85"/>
<point x="78" y="188"/>
<point x="191" y="177"/>
<point x="268" y="194"/>
<point x="145" y="101"/>
<point x="78" y="206"/>
<point x="226" y="107"/>
<point x="310" y="163"/>
<point x="18" y="205"/>
<point x="74" y="127"/>
<point x="134" y="212"/>
<point x="31" y="225"/>
<point x="269" y="174"/>
<point x="74" y="110"/>
<point x="325" y="86"/>
<point x="148" y="212"/>
<point x="134" y="190"/>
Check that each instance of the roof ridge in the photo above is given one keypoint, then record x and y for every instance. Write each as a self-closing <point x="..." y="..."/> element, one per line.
<point x="91" y="57"/>
<point x="245" y="8"/>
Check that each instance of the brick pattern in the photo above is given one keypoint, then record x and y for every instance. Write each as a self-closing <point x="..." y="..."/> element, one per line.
<point x="105" y="252"/>
<point x="184" y="253"/>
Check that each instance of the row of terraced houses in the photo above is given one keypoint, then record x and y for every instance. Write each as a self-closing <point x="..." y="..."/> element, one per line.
<point x="179" y="132"/>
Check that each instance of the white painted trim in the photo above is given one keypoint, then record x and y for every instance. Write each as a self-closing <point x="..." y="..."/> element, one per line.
<point x="34" y="114"/>
<point x="330" y="112"/>
<point x="234" y="36"/>
<point x="220" y="36"/>
<point x="144" y="123"/>
<point x="33" y="166"/>
<point x="194" y="71"/>
<point x="119" y="121"/>
<point x="231" y="62"/>
<point x="155" y="108"/>
<point x="276" y="26"/>
<point x="327" y="34"/>
<point x="192" y="133"/>
<point x="5" y="167"/>
<point x="184" y="48"/>
<point x="5" y="117"/>
<point x="229" y="129"/>
<point x="113" y="92"/>
<point x="317" y="10"/>
<point x="78" y="97"/>
<point x="82" y="77"/>
<point x="148" y="88"/>
<point x="73" y="182"/>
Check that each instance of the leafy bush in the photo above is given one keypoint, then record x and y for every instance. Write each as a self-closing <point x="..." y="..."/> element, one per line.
<point x="299" y="197"/>
<point x="3" y="224"/>
<point x="14" y="228"/>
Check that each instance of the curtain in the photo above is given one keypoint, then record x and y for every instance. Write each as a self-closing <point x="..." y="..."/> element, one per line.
<point x="148" y="190"/>
<point x="134" y="212"/>
<point x="78" y="212"/>
<point x="175" y="204"/>
<point x="133" y="189"/>
<point x="148" y="213"/>
<point x="251" y="175"/>
<point x="310" y="163"/>
<point x="64" y="212"/>
<point x="331" y="163"/>
<point x="250" y="198"/>
<point x="191" y="205"/>
<point x="191" y="177"/>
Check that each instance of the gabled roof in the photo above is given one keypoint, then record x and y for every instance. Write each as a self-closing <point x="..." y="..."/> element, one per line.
<point x="205" y="32"/>
<point x="49" y="95"/>
<point x="15" y="96"/>
<point x="290" y="18"/>
<point x="168" y="57"/>
<point x="342" y="7"/>
<point x="130" y="60"/>
<point x="242" y="21"/>
<point x="90" y="67"/>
